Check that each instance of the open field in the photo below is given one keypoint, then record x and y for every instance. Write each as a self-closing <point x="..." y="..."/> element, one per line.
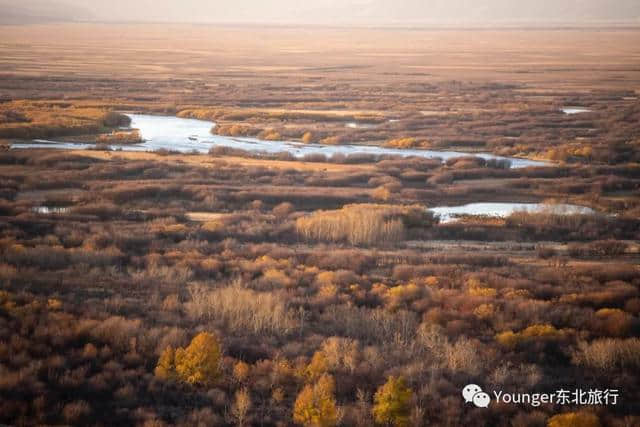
<point x="164" y="288"/>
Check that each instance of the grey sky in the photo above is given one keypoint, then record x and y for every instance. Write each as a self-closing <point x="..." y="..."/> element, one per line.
<point x="341" y="12"/>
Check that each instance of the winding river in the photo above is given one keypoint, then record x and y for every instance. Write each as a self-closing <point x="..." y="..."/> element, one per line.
<point x="191" y="135"/>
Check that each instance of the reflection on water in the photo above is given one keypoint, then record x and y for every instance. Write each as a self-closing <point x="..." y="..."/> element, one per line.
<point x="191" y="135"/>
<point x="354" y="125"/>
<point x="575" y="110"/>
<point x="46" y="210"/>
<point x="501" y="210"/>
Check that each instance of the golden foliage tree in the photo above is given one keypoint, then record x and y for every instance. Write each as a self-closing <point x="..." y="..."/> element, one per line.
<point x="198" y="363"/>
<point x="317" y="367"/>
<point x="393" y="403"/>
<point x="316" y="405"/>
<point x="166" y="368"/>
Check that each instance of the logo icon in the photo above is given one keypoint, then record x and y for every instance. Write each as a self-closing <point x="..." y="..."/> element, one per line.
<point x="473" y="393"/>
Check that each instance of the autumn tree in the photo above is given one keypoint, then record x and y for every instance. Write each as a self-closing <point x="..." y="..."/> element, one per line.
<point x="166" y="368"/>
<point x="241" y="406"/>
<point x="316" y="404"/>
<point x="198" y="363"/>
<point x="317" y="367"/>
<point x="393" y="403"/>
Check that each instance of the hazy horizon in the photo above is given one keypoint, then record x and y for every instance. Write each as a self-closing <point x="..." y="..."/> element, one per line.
<point x="326" y="12"/>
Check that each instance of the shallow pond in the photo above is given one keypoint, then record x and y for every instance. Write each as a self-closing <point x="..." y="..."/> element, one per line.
<point x="501" y="210"/>
<point x="188" y="135"/>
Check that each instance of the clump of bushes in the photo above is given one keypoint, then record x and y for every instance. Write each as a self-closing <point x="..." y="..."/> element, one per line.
<point x="242" y="310"/>
<point x="534" y="332"/>
<point x="123" y="137"/>
<point x="609" y="354"/>
<point x="408" y="142"/>
<point x="113" y="119"/>
<point x="358" y="224"/>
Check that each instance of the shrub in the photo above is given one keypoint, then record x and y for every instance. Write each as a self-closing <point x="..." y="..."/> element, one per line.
<point x="241" y="406"/>
<point x="461" y="356"/>
<point x="608" y="247"/>
<point x="405" y="143"/>
<point x="307" y="137"/>
<point x="393" y="403"/>
<point x="241" y="371"/>
<point x="242" y="310"/>
<point x="282" y="210"/>
<point x="234" y="130"/>
<point x="113" y="119"/>
<point x="269" y="135"/>
<point x="371" y="325"/>
<point x="74" y="412"/>
<point x="574" y="419"/>
<point x="121" y="137"/>
<point x="315" y="158"/>
<point x="402" y="295"/>
<point x="363" y="224"/>
<point x="117" y="331"/>
<point x="614" y="322"/>
<point x="545" y="252"/>
<point x="533" y="332"/>
<point x="381" y="193"/>
<point x="341" y="354"/>
<point x="609" y="354"/>
<point x="484" y="311"/>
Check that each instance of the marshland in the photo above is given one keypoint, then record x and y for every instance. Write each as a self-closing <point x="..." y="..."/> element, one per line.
<point x="296" y="227"/>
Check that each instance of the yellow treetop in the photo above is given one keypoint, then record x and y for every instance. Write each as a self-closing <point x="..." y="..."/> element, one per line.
<point x="393" y="403"/>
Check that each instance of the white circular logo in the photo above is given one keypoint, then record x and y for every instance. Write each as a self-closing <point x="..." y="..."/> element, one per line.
<point x="473" y="393"/>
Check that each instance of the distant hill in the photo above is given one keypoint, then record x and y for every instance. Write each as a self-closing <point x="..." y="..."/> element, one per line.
<point x="332" y="12"/>
<point x="33" y="12"/>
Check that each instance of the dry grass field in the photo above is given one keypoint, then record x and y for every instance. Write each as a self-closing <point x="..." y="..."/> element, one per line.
<point x="164" y="288"/>
<point x="579" y="60"/>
